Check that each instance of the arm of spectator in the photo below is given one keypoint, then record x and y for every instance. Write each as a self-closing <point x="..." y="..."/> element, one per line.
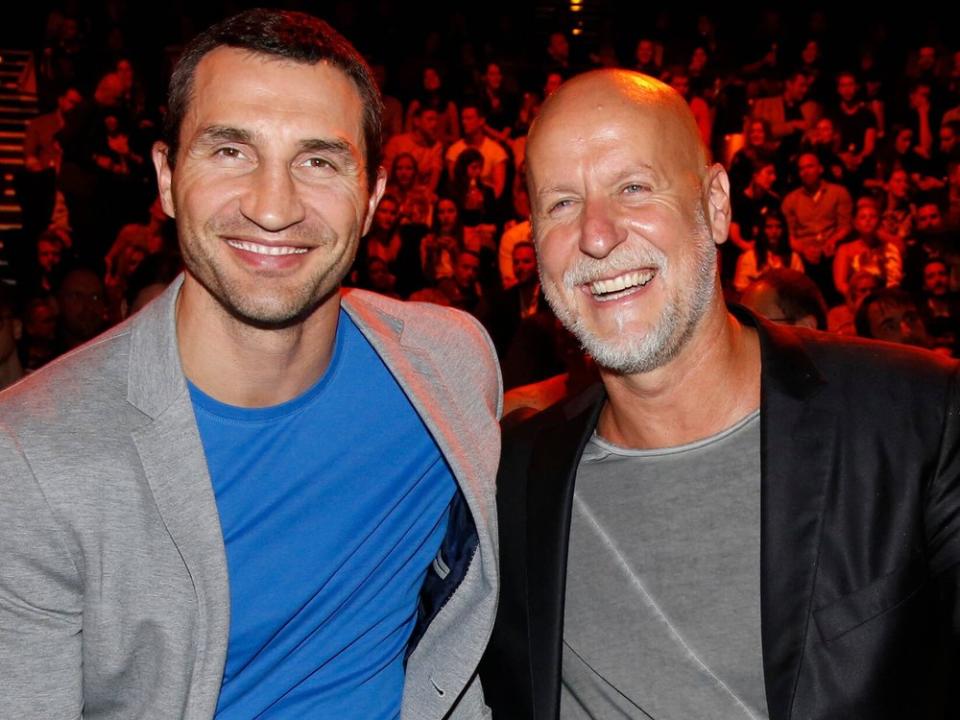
<point x="844" y="221"/>
<point x="499" y="179"/>
<point x="892" y="266"/>
<point x="841" y="269"/>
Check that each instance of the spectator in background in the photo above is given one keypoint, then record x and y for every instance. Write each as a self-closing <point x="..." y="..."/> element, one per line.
<point x="818" y="218"/>
<point x="493" y="168"/>
<point x="892" y="315"/>
<point x="866" y="251"/>
<point x="82" y="304"/>
<point x="770" y="251"/>
<point x="432" y="95"/>
<point x="787" y="297"/>
<point x="840" y="319"/>
<point x="423" y="143"/>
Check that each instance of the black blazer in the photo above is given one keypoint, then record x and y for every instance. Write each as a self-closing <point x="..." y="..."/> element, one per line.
<point x="860" y="535"/>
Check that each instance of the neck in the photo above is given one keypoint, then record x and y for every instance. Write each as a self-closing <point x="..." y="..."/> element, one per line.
<point x="713" y="383"/>
<point x="247" y="366"/>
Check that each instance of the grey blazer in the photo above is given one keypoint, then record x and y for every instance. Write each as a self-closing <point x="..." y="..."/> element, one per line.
<point x="114" y="601"/>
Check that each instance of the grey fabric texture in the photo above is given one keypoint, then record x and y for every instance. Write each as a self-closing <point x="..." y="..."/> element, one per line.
<point x="662" y="615"/>
<point x="114" y="600"/>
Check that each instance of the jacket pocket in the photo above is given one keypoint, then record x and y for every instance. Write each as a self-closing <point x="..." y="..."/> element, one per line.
<point x="853" y="610"/>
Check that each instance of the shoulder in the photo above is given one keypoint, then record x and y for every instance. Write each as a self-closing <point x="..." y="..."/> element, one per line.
<point x="456" y="342"/>
<point x="85" y="382"/>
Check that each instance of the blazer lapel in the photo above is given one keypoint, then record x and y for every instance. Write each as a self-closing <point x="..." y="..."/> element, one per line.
<point x="797" y="444"/>
<point x="175" y="467"/>
<point x="550" y="484"/>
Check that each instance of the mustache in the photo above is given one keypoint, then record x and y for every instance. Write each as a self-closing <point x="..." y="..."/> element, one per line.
<point x="302" y="234"/>
<point x="586" y="269"/>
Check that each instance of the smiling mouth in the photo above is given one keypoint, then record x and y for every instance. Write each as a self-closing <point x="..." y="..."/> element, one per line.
<point x="274" y="250"/>
<point x="620" y="286"/>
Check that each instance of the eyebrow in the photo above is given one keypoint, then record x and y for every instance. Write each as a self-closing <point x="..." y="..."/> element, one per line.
<point x="341" y="149"/>
<point x="223" y="133"/>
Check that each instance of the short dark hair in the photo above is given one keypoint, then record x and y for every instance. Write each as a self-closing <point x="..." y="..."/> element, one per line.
<point x="884" y="297"/>
<point x="287" y="34"/>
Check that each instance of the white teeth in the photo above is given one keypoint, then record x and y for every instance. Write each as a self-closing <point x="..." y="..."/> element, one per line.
<point x="266" y="249"/>
<point x="621" y="282"/>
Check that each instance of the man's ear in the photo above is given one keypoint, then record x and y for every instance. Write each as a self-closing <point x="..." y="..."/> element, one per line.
<point x="716" y="191"/>
<point x="161" y="162"/>
<point x="374" y="199"/>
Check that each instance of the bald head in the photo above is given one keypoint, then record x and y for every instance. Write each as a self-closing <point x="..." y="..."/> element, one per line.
<point x="583" y="102"/>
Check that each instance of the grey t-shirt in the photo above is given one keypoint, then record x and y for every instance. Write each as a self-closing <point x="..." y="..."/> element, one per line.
<point x="662" y="614"/>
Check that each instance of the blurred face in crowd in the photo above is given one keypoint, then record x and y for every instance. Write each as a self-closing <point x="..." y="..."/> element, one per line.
<point x="765" y="177"/>
<point x="936" y="279"/>
<point x="269" y="190"/>
<point x="466" y="270"/>
<point x="446" y="215"/>
<point x="928" y="218"/>
<point x="493" y="77"/>
<point x="524" y="264"/>
<point x="866" y="220"/>
<point x="41" y="319"/>
<point x="471" y="120"/>
<point x="617" y="176"/>
<point x="405" y="171"/>
<point x="385" y="217"/>
<point x="903" y="141"/>
<point x="810" y="53"/>
<point x="48" y="254"/>
<point x="823" y="132"/>
<point x="644" y="52"/>
<point x="757" y="134"/>
<point x="795" y="88"/>
<point x="83" y="310"/>
<point x="948" y="139"/>
<point x="431" y="79"/>
<point x="810" y="170"/>
<point x="773" y="230"/>
<point x="898" y="184"/>
<point x="846" y="88"/>
<point x="427" y="124"/>
<point x="895" y="322"/>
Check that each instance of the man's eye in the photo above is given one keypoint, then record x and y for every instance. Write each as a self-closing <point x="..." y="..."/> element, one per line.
<point x="560" y="205"/>
<point x="634" y="188"/>
<point x="318" y="163"/>
<point x="228" y="152"/>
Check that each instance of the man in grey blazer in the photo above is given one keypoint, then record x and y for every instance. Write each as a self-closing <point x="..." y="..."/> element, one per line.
<point x="260" y="496"/>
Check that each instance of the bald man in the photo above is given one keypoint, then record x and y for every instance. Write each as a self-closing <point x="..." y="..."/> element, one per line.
<point x="741" y="520"/>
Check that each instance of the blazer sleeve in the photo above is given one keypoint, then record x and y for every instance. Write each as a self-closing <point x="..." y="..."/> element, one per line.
<point x="40" y="600"/>
<point x="942" y="497"/>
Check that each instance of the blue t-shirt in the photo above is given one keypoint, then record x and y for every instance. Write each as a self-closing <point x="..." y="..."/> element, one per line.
<point x="333" y="506"/>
